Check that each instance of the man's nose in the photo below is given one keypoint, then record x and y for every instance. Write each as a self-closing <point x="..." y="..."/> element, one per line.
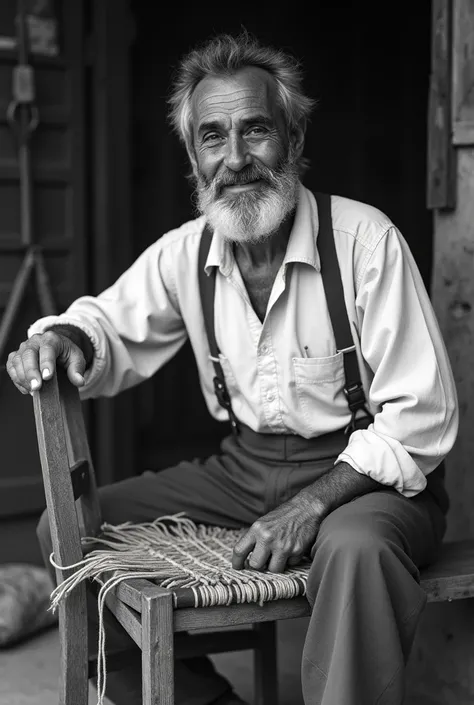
<point x="237" y="155"/>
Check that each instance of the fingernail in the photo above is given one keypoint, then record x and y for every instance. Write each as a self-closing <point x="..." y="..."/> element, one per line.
<point x="34" y="384"/>
<point x="46" y="373"/>
<point x="30" y="393"/>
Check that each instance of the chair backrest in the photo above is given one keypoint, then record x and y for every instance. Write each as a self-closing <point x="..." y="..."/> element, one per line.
<point x="68" y="473"/>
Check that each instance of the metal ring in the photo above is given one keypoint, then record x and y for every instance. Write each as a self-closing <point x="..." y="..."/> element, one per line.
<point x="15" y="123"/>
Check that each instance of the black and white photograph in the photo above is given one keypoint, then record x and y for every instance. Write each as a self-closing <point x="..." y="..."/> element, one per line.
<point x="236" y="353"/>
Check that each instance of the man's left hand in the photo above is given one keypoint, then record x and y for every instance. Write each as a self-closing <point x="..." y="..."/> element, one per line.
<point x="283" y="536"/>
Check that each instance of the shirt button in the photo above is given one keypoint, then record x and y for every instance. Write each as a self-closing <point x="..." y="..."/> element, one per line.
<point x="264" y="349"/>
<point x="270" y="396"/>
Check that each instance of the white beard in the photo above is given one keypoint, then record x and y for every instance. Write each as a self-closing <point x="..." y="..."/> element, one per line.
<point x="251" y="216"/>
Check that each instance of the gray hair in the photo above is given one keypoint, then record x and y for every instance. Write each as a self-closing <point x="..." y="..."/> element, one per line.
<point x="225" y="55"/>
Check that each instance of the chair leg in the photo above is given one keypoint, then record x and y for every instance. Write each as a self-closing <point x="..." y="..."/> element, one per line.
<point x="265" y="665"/>
<point x="157" y="648"/>
<point x="73" y="681"/>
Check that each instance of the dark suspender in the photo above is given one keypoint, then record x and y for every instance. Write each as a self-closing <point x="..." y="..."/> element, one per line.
<point x="207" y="287"/>
<point x="334" y="292"/>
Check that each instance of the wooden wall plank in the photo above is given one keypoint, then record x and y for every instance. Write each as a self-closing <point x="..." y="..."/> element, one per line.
<point x="441" y="170"/>
<point x="58" y="169"/>
<point x="463" y="72"/>
<point x="441" y="670"/>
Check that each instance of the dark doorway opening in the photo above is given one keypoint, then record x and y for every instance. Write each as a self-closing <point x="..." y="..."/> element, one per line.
<point x="369" y="71"/>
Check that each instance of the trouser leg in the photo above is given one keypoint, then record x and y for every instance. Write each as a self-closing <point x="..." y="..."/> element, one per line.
<point x="207" y="494"/>
<point x="366" y="599"/>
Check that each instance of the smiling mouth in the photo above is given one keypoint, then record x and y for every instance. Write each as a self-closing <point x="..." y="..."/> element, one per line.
<point x="239" y="188"/>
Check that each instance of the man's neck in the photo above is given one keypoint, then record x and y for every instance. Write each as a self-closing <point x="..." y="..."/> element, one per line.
<point x="266" y="253"/>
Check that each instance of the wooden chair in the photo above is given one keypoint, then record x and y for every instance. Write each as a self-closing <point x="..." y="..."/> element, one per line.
<point x="144" y="609"/>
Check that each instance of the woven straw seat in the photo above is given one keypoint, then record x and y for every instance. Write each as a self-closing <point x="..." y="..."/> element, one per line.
<point x="186" y="597"/>
<point x="193" y="561"/>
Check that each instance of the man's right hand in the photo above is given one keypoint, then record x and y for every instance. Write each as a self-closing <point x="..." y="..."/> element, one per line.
<point x="36" y="359"/>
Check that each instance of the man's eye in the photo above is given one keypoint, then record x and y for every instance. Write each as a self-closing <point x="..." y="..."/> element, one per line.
<point x="211" y="137"/>
<point x="256" y="131"/>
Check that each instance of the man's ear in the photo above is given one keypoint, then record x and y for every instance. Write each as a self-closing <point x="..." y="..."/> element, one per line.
<point x="297" y="135"/>
<point x="189" y="144"/>
<point x="192" y="157"/>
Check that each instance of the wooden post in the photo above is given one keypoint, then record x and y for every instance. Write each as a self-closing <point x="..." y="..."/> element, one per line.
<point x="441" y="167"/>
<point x="157" y="647"/>
<point x="441" y="671"/>
<point x="463" y="73"/>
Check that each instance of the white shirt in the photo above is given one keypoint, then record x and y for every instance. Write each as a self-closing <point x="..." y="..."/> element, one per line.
<point x="276" y="386"/>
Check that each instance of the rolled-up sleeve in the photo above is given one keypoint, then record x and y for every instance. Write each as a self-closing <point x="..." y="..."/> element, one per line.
<point x="135" y="326"/>
<point x="412" y="385"/>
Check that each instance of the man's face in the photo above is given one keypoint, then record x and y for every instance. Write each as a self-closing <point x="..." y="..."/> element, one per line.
<point x="244" y="160"/>
<point x="236" y="124"/>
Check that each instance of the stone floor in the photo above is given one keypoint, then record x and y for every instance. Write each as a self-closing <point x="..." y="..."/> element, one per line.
<point x="29" y="672"/>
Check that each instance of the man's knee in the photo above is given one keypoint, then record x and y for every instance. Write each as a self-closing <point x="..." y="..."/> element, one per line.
<point x="348" y="545"/>
<point x="351" y="539"/>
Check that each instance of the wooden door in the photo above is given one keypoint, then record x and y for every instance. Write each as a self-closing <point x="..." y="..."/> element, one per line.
<point x="58" y="151"/>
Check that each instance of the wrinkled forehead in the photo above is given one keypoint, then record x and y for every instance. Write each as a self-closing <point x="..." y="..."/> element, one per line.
<point x="222" y="97"/>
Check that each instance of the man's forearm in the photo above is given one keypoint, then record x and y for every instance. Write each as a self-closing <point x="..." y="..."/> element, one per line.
<point x="339" y="486"/>
<point x="79" y="338"/>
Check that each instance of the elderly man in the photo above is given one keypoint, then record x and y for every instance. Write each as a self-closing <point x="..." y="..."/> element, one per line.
<point x="315" y="465"/>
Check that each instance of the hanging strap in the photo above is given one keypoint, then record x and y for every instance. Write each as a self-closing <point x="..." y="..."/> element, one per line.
<point x="333" y="289"/>
<point x="207" y="287"/>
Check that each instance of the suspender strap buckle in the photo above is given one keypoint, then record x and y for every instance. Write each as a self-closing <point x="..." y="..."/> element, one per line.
<point x="355" y="396"/>
<point x="356" y="401"/>
<point x="222" y="394"/>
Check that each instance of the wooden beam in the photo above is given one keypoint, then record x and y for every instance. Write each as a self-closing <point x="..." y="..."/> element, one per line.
<point x="441" y="670"/>
<point x="441" y="167"/>
<point x="463" y="72"/>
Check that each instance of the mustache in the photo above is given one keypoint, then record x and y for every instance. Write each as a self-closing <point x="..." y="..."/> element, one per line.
<point x="253" y="172"/>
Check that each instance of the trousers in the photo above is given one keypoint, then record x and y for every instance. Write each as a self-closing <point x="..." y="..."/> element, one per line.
<point x="363" y="585"/>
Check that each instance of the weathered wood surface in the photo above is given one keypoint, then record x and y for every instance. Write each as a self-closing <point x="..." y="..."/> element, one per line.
<point x="452" y="576"/>
<point x="441" y="670"/>
<point x="453" y="299"/>
<point x="233" y="615"/>
<point x="130" y="592"/>
<point x="128" y="618"/>
<point x="64" y="451"/>
<point x="441" y="169"/>
<point x="73" y="688"/>
<point x="78" y="454"/>
<point x="157" y="648"/>
<point x="463" y="72"/>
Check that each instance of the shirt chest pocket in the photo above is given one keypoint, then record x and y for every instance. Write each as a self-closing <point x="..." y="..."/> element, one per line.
<point x="319" y="387"/>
